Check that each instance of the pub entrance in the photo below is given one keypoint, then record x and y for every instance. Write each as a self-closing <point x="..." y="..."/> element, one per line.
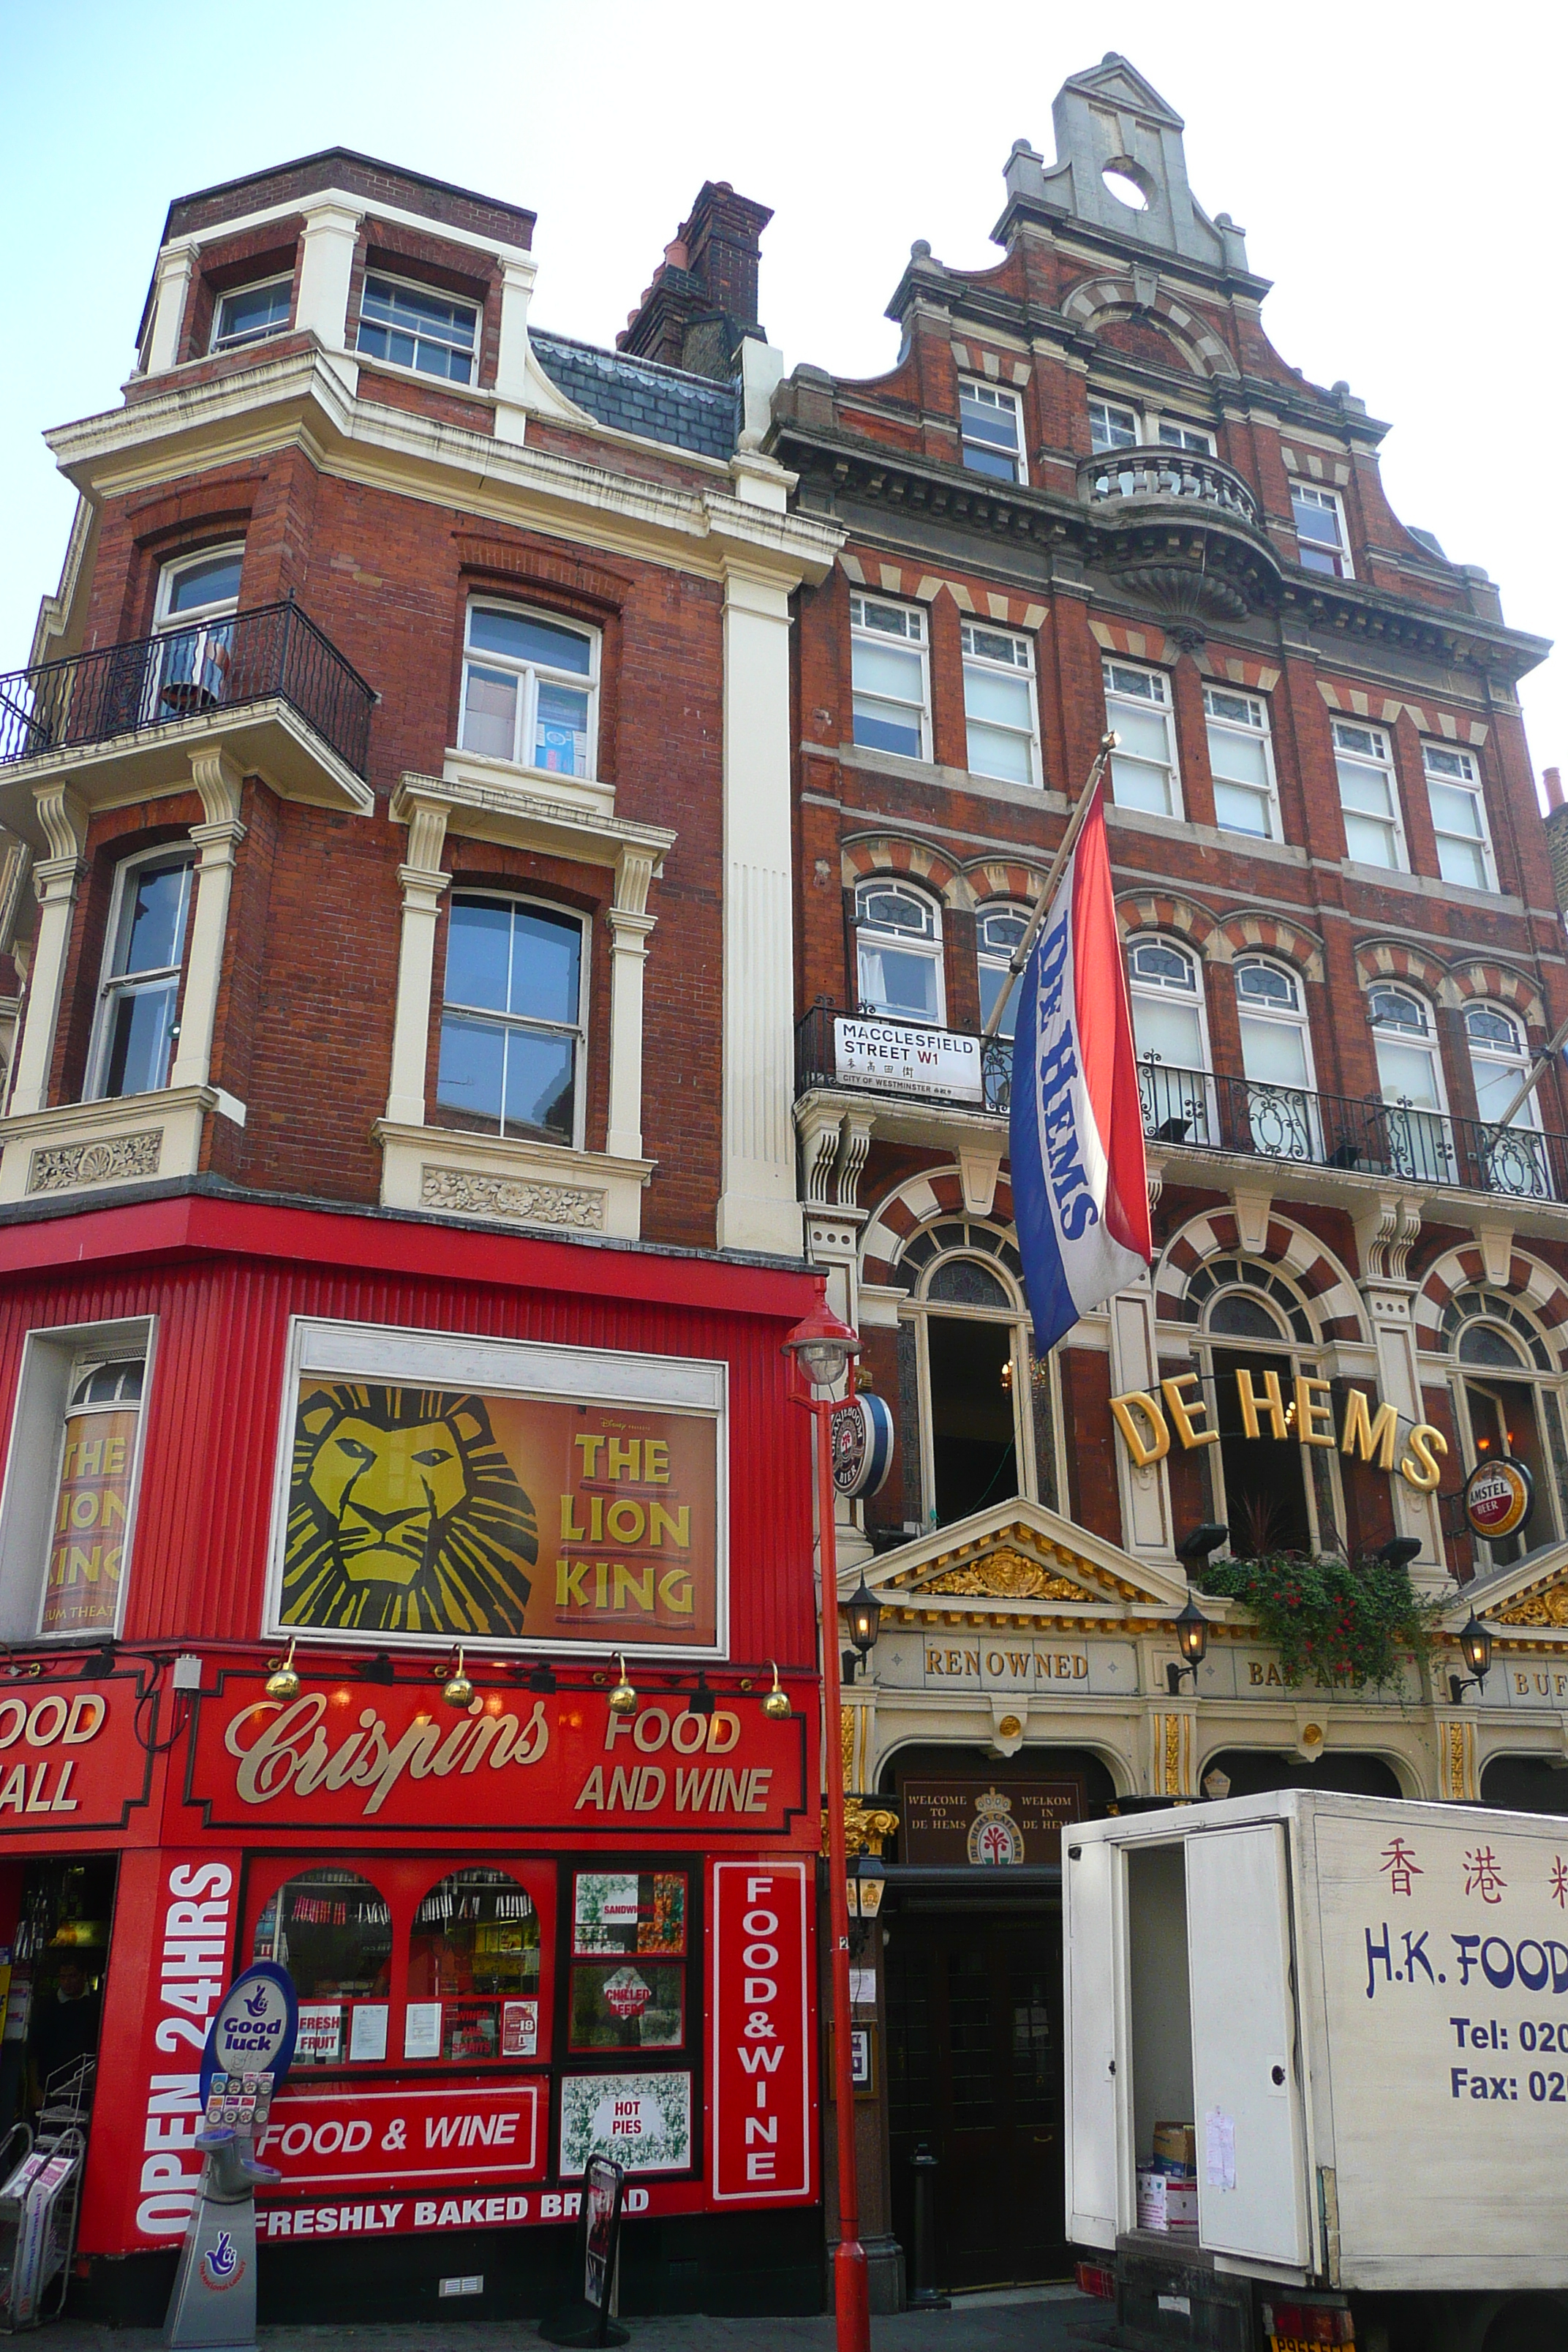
<point x="971" y="1977"/>
<point x="975" y="2073"/>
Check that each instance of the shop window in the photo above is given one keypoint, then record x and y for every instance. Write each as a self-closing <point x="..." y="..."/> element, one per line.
<point x="68" y="1517"/>
<point x="332" y="1930"/>
<point x="628" y="1963"/>
<point x="473" y="1970"/>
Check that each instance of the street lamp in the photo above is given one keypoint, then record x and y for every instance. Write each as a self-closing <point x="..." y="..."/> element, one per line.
<point x="822" y="1350"/>
<point x="1193" y="1641"/>
<point x="1398" y="1552"/>
<point x="1476" y="1644"/>
<point x="865" y="1611"/>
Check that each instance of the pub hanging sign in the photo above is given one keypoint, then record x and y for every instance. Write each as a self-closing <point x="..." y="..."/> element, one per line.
<point x="1372" y="1435"/>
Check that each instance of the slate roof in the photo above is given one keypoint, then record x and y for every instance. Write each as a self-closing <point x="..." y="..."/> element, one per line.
<point x="661" y="404"/>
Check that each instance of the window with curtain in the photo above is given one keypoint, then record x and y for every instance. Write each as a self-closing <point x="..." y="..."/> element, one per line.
<point x="1410" y="1076"/>
<point x="1241" y="759"/>
<point x="1458" y="816"/>
<point x="999" y="705"/>
<point x="1143" y="772"/>
<point x="1369" y="796"/>
<point x="1171" y="1042"/>
<point x="1513" y="1158"/>
<point x="888" y="670"/>
<point x="1276" y="1060"/>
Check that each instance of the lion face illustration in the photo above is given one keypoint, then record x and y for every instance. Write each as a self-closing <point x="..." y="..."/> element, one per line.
<point x="405" y="1516"/>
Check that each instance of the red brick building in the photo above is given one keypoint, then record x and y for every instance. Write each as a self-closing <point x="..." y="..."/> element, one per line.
<point x="398" y="1226"/>
<point x="1091" y="495"/>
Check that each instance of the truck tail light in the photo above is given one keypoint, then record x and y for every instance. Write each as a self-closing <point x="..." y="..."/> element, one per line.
<point x="1309" y="2323"/>
<point x="1093" y="2278"/>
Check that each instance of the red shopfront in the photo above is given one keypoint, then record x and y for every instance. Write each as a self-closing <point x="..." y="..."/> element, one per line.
<point x="523" y="1927"/>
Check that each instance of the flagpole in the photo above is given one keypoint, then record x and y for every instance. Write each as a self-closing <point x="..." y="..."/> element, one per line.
<point x="1549" y="1052"/>
<point x="1020" y="955"/>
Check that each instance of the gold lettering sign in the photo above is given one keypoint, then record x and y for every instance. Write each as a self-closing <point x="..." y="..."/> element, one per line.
<point x="1371" y="1435"/>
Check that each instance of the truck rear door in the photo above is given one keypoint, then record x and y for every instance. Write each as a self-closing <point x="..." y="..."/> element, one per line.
<point x="1252" y="2171"/>
<point x="1088" y="1925"/>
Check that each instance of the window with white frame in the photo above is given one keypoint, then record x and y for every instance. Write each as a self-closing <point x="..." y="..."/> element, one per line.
<point x="899" y="953"/>
<point x="1143" y="772"/>
<point x="187" y="670"/>
<point x="1458" y="816"/>
<point x="1369" y="796"/>
<point x="891" y="683"/>
<point x="514" y="1019"/>
<point x="1513" y="1156"/>
<point x="1320" y="540"/>
<point x="999" y="931"/>
<point x="531" y="690"/>
<point x="991" y="429"/>
<point x="1276" y="1059"/>
<point x="67" y="1518"/>
<point x="1241" y="759"/>
<point x="1410" y="1076"/>
<point x="1112" y="426"/>
<point x="1173" y="434"/>
<point x="249" y="313"/>
<point x="139" y="990"/>
<point x="415" y="327"/>
<point x="999" y="704"/>
<point x="1171" y="1039"/>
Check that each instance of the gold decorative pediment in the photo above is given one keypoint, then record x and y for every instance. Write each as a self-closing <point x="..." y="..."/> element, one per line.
<point x="1006" y="1576"/>
<point x="1546" y="1606"/>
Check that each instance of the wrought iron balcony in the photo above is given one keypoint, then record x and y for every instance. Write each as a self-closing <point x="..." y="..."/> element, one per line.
<point x="876" y="1054"/>
<point x="273" y="653"/>
<point x="1262" y="1120"/>
<point x="1156" y="473"/>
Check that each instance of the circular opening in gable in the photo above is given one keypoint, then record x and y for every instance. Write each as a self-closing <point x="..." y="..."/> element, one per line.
<point x="1129" y="182"/>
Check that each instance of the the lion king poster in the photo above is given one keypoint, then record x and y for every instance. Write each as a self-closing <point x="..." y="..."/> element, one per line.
<point x="427" y="1511"/>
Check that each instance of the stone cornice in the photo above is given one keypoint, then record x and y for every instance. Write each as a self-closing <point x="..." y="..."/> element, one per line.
<point x="299" y="400"/>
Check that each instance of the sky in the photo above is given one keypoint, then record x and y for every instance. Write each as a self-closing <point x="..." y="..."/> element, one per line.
<point x="1394" y="166"/>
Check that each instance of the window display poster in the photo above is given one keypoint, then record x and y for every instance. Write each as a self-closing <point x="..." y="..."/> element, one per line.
<point x="321" y="2035"/>
<point x="642" y="2122"/>
<point x="422" y="2029"/>
<point x="367" y="2034"/>
<point x="628" y="2005"/>
<point x="81" y="1592"/>
<point x="625" y="1911"/>
<point x="520" y="2028"/>
<point x="432" y="1512"/>
<point x="765" y="2138"/>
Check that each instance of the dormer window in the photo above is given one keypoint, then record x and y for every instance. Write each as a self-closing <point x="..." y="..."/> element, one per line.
<point x="414" y="327"/>
<point x="251" y="313"/>
<point x="991" y="432"/>
<point x="1320" y="540"/>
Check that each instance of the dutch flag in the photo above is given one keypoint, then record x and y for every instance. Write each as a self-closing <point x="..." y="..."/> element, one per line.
<point x="1080" y="1190"/>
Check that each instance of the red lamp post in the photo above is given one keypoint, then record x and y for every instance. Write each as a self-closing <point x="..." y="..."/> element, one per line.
<point x="823" y="1349"/>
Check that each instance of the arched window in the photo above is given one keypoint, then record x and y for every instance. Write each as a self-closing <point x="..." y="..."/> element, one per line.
<point x="1277" y="1060"/>
<point x="1508" y="1402"/>
<point x="473" y="1969"/>
<point x="965" y="1356"/>
<point x="899" y="953"/>
<point x="998" y="931"/>
<point x="1410" y="1076"/>
<point x="1272" y="1491"/>
<point x="1513" y="1158"/>
<point x="198" y="596"/>
<point x="332" y="1930"/>
<point x="1171" y="1040"/>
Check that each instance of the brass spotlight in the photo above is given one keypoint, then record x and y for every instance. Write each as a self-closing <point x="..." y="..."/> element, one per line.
<point x="777" y="1707"/>
<point x="283" y="1682"/>
<point x="623" y="1698"/>
<point x="456" y="1690"/>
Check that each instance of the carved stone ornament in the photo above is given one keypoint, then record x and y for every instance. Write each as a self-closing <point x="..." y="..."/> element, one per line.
<point x="1007" y="1576"/>
<point x="1549" y="1606"/>
<point x="64" y="1165"/>
<point x="865" y="1827"/>
<point x="467" y="1195"/>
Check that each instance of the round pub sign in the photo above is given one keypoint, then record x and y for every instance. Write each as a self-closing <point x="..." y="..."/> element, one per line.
<point x="1498" y="1497"/>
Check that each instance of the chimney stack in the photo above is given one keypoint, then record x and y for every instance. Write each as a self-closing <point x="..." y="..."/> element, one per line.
<point x="701" y="302"/>
<point x="1557" y="835"/>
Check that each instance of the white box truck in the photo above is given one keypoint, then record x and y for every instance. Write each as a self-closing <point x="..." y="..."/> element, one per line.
<point x="1360" y="2005"/>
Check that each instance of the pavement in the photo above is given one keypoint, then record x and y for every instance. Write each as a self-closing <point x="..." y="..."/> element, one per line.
<point x="1019" y="2319"/>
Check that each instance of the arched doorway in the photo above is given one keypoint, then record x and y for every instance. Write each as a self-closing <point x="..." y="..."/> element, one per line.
<point x="1257" y="1772"/>
<point x="1525" y="1784"/>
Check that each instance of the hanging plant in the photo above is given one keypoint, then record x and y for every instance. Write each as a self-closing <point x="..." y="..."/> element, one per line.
<point x="1332" y="1619"/>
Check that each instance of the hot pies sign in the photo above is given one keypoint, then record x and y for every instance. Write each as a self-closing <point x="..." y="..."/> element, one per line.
<point x="1368" y="1430"/>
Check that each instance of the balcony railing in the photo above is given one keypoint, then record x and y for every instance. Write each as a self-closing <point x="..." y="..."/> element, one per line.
<point x="1265" y="1121"/>
<point x="270" y="654"/>
<point x="1165" y="474"/>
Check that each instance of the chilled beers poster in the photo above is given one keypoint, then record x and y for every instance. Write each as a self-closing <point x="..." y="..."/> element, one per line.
<point x="482" y="1515"/>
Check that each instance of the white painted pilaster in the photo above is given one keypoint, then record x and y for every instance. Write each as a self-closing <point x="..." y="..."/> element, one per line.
<point x="423" y="883"/>
<point x="1384" y="1235"/>
<point x="326" y="270"/>
<point x="1135" y="1364"/>
<point x="55" y="878"/>
<point x="218" y="838"/>
<point x="630" y="924"/>
<point x="176" y="268"/>
<point x="757" y="1205"/>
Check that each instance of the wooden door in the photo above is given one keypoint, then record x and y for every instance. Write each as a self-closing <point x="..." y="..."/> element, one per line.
<point x="975" y="2072"/>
